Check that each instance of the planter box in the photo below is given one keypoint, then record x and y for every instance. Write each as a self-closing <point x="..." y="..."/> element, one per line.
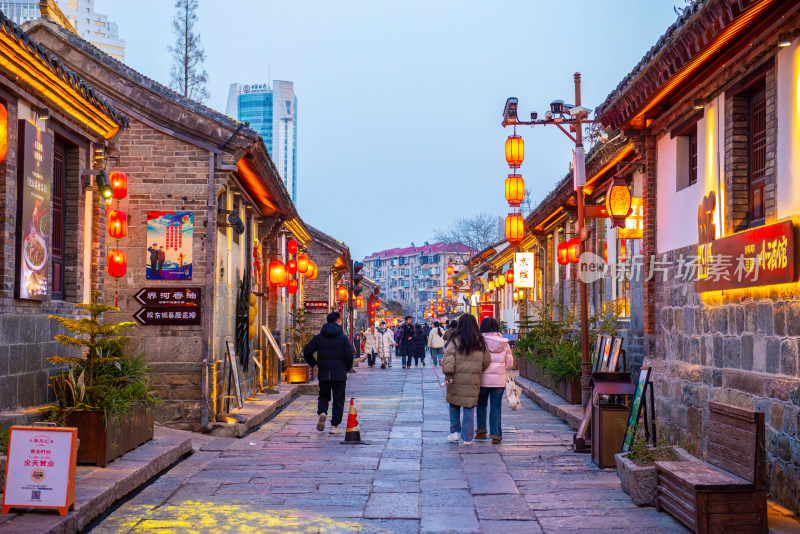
<point x="569" y="389"/>
<point x="298" y="374"/>
<point x="641" y="481"/>
<point x="100" y="443"/>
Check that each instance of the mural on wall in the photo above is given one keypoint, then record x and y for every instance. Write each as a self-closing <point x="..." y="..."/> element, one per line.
<point x="169" y="245"/>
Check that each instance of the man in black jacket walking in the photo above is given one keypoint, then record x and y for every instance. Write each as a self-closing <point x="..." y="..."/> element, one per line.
<point x="334" y="357"/>
<point x="407" y="342"/>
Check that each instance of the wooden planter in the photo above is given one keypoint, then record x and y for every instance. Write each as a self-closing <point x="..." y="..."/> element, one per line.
<point x="569" y="389"/>
<point x="299" y="373"/>
<point x="101" y="443"/>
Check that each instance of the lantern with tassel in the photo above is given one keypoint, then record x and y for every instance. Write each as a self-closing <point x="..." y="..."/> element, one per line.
<point x="302" y="263"/>
<point x="117" y="224"/>
<point x="119" y="185"/>
<point x="117" y="263"/>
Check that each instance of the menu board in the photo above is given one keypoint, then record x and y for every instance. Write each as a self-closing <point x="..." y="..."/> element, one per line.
<point x="34" y="216"/>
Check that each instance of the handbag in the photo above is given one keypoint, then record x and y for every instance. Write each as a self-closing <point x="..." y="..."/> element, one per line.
<point x="512" y="394"/>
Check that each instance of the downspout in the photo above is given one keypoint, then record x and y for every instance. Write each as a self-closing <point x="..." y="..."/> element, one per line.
<point x="211" y="254"/>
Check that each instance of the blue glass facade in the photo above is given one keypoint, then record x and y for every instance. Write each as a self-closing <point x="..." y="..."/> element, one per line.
<point x="256" y="108"/>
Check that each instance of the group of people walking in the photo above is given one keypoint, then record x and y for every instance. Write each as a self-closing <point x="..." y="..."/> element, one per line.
<point x="475" y="362"/>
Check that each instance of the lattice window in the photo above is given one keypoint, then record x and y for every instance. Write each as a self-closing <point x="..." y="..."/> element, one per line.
<point x="757" y="139"/>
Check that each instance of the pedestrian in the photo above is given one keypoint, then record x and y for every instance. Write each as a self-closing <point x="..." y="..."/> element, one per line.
<point x="370" y="346"/>
<point x="436" y="343"/>
<point x="358" y="344"/>
<point x="451" y="326"/>
<point x="335" y="357"/>
<point x="420" y="345"/>
<point x="406" y="342"/>
<point x="162" y="257"/>
<point x="385" y="342"/>
<point x="493" y="381"/>
<point x="465" y="359"/>
<point x="153" y="260"/>
<point x="395" y="346"/>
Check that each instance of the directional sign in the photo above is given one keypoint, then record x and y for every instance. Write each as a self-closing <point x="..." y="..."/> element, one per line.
<point x="168" y="296"/>
<point x="168" y="315"/>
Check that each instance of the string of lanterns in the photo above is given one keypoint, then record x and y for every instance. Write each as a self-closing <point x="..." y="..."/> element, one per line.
<point x="286" y="275"/>
<point x="515" y="190"/>
<point x="117" y="224"/>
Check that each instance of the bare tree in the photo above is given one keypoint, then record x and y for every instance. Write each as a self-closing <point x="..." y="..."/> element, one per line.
<point x="188" y="75"/>
<point x="396" y="308"/>
<point x="477" y="232"/>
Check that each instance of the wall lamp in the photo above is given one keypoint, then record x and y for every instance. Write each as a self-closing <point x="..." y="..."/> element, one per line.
<point x="785" y="38"/>
<point x="231" y="220"/>
<point x="101" y="183"/>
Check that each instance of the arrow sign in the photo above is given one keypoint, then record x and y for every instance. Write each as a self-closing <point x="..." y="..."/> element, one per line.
<point x="168" y="296"/>
<point x="169" y="315"/>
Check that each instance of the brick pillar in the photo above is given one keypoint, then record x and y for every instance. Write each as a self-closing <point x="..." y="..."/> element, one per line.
<point x="649" y="241"/>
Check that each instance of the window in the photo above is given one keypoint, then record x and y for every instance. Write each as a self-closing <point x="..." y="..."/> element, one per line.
<point x="693" y="156"/>
<point x="59" y="219"/>
<point x="757" y="150"/>
<point x="686" y="152"/>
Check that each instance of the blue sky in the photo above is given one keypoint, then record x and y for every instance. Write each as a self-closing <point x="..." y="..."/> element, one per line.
<point x="399" y="103"/>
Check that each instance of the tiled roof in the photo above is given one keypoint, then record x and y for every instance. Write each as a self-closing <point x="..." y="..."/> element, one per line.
<point x="435" y="248"/>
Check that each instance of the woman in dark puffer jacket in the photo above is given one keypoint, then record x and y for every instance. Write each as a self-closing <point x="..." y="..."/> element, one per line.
<point x="420" y="344"/>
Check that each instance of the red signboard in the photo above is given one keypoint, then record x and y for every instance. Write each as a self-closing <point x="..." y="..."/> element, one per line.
<point x="316" y="306"/>
<point x="486" y="310"/>
<point x="758" y="257"/>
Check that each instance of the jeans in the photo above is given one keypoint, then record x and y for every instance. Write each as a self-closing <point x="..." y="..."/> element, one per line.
<point x="371" y="359"/>
<point x="436" y="354"/>
<point x="406" y="353"/>
<point x="418" y="358"/>
<point x="337" y="388"/>
<point x="493" y="396"/>
<point x="466" y="426"/>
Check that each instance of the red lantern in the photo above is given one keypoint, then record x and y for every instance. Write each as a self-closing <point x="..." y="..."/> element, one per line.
<point x="291" y="287"/>
<point x="3" y="132"/>
<point x="277" y="273"/>
<point x="515" y="190"/>
<point x="440" y="292"/>
<point x="450" y="269"/>
<point x="302" y="263"/>
<point x="117" y="263"/>
<point x="573" y="250"/>
<point x="291" y="246"/>
<point x="449" y="282"/>
<point x="291" y="266"/>
<point x="515" y="151"/>
<point x="119" y="185"/>
<point x="342" y="292"/>
<point x="561" y="253"/>
<point x="515" y="229"/>
<point x="510" y="276"/>
<point x="360" y="301"/>
<point x="449" y="293"/>
<point x="439" y="300"/>
<point x="618" y="201"/>
<point x="376" y="304"/>
<point x="117" y="224"/>
<point x="311" y="270"/>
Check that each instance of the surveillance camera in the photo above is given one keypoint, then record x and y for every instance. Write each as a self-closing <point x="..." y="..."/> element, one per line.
<point x="548" y="115"/>
<point x="534" y="115"/>
<point x="557" y="107"/>
<point x="510" y="112"/>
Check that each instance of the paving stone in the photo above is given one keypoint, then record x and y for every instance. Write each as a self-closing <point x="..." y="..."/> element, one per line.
<point x="448" y="519"/>
<point x="502" y="507"/>
<point x="393" y="506"/>
<point x="511" y="527"/>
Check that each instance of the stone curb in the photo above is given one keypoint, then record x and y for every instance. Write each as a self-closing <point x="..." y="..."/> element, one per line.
<point x="98" y="491"/>
<point x="572" y="414"/>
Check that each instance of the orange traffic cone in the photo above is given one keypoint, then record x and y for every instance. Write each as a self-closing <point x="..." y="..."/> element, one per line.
<point x="353" y="434"/>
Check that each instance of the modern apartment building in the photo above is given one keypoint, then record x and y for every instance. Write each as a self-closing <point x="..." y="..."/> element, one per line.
<point x="91" y="26"/>
<point x="272" y="112"/>
<point x="413" y="275"/>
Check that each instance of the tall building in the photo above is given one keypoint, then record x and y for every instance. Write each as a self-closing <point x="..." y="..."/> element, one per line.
<point x="413" y="275"/>
<point x="272" y="112"/>
<point x="91" y="26"/>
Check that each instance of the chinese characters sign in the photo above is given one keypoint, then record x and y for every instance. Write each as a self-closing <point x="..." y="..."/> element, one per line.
<point x="523" y="269"/>
<point x="41" y="468"/>
<point x="34" y="216"/>
<point x="634" y="223"/>
<point x="316" y="306"/>
<point x="169" y="306"/>
<point x="169" y="245"/>
<point x="758" y="257"/>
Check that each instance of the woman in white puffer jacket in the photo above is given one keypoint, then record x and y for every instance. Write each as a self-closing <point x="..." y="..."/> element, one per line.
<point x="493" y="381"/>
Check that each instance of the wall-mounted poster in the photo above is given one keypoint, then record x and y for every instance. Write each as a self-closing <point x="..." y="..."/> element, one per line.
<point x="35" y="179"/>
<point x="169" y="245"/>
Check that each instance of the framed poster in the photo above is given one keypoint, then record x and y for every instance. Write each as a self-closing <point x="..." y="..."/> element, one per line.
<point x="636" y="408"/>
<point x="41" y="468"/>
<point x="605" y="354"/>
<point x="169" y="245"/>
<point x="234" y="370"/>
<point x="613" y="359"/>
<point x="598" y="346"/>
<point x="34" y="217"/>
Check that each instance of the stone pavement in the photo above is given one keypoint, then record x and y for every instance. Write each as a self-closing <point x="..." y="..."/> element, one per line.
<point x="287" y="477"/>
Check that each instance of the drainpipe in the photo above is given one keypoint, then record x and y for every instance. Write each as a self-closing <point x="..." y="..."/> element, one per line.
<point x="208" y="323"/>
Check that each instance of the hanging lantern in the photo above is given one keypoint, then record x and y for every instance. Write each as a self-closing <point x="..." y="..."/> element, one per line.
<point x="342" y="292"/>
<point x="277" y="273"/>
<point x="291" y="266"/>
<point x="376" y="304"/>
<point x="3" y="132"/>
<point x="515" y="229"/>
<point x="514" y="296"/>
<point x="491" y="286"/>
<point x="515" y="190"/>
<point x="515" y="151"/>
<point x="449" y="282"/>
<point x="302" y="263"/>
<point x="573" y="250"/>
<point x="450" y="269"/>
<point x="360" y="301"/>
<point x="449" y="293"/>
<point x="439" y="300"/>
<point x="561" y="253"/>
<point x="501" y="280"/>
<point x="618" y="201"/>
<point x="117" y="263"/>
<point x="510" y="276"/>
<point x="117" y="224"/>
<point x="311" y="270"/>
<point x="119" y="185"/>
<point x="291" y="246"/>
<point x="440" y="292"/>
<point x="291" y="286"/>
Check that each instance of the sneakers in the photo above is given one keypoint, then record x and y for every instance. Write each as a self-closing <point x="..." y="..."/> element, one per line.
<point x="335" y="430"/>
<point x="454" y="437"/>
<point x="383" y="366"/>
<point x="321" y="422"/>
<point x="466" y="443"/>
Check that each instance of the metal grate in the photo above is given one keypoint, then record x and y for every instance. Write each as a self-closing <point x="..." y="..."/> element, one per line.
<point x="758" y="156"/>
<point x="58" y="219"/>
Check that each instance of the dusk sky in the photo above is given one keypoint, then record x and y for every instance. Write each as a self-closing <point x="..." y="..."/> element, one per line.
<point x="399" y="103"/>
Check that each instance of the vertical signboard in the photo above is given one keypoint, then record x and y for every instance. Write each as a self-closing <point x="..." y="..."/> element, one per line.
<point x="523" y="269"/>
<point x="169" y="245"/>
<point x="34" y="217"/>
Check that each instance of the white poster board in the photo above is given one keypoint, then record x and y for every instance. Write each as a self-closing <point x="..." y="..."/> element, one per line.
<point x="41" y="468"/>
<point x="523" y="269"/>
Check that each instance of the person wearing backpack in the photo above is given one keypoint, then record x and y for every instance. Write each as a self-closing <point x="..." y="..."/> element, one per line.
<point x="493" y="381"/>
<point x="436" y="342"/>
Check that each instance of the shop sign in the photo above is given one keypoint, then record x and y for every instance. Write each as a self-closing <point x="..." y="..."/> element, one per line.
<point x="34" y="219"/>
<point x="41" y="468"/>
<point x="523" y="269"/>
<point x="758" y="257"/>
<point x="176" y="306"/>
<point x="634" y="223"/>
<point x="486" y="310"/>
<point x="169" y="245"/>
<point x="315" y="306"/>
<point x="168" y="296"/>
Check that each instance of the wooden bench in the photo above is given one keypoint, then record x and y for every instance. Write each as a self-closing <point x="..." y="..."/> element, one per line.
<point x="729" y="493"/>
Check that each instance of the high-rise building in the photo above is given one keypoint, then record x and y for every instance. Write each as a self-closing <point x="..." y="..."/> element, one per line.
<point x="91" y="26"/>
<point x="272" y="112"/>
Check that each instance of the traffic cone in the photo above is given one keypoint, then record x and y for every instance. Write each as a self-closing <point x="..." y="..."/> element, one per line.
<point x="353" y="434"/>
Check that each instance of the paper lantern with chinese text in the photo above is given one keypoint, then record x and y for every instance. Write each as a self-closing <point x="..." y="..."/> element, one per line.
<point x="291" y="266"/>
<point x="291" y="246"/>
<point x="342" y="293"/>
<point x="302" y="263"/>
<point x="3" y="132"/>
<point x="119" y="185"/>
<point x="561" y="253"/>
<point x="311" y="270"/>
<point x="573" y="250"/>
<point x="515" y="229"/>
<point x="117" y="224"/>
<point x="449" y="282"/>
<point x="515" y="151"/>
<point x="117" y="263"/>
<point x="277" y="273"/>
<point x="291" y="286"/>
<point x="515" y="190"/>
<point x="510" y="276"/>
<point x="450" y="269"/>
<point x="618" y="201"/>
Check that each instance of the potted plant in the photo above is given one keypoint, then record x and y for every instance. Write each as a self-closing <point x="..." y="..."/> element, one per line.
<point x="105" y="394"/>
<point x="299" y="334"/>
